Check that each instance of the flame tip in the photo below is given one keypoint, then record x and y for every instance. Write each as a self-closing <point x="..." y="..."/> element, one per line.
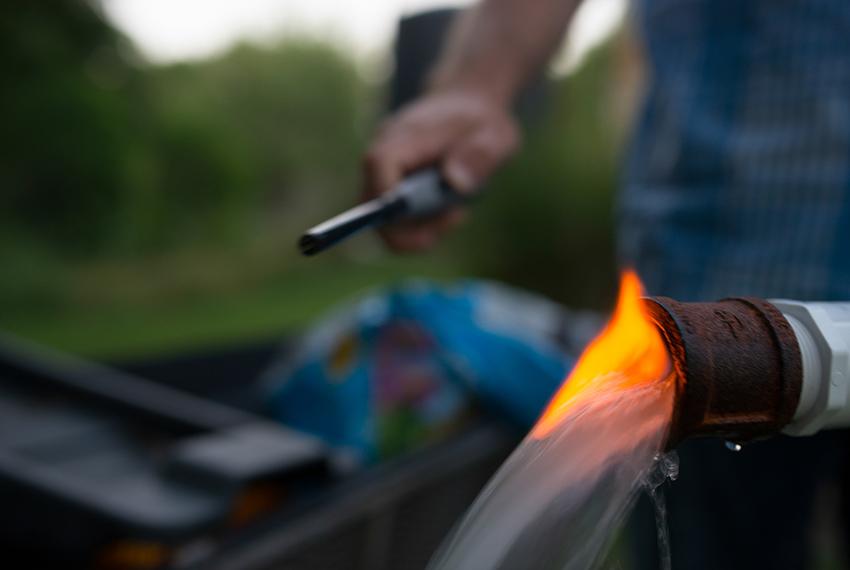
<point x="629" y="352"/>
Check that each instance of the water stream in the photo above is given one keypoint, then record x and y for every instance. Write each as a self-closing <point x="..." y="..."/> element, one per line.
<point x="558" y="499"/>
<point x="666" y="467"/>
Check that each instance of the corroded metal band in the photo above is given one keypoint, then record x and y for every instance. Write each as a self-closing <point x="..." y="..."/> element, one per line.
<point x="738" y="365"/>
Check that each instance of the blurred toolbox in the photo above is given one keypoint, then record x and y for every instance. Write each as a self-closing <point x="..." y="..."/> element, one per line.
<point x="104" y="469"/>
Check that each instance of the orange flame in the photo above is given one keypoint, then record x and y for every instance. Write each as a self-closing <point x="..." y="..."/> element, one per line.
<point x="628" y="353"/>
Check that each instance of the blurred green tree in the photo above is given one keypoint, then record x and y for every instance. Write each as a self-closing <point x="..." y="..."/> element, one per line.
<point x="104" y="153"/>
<point x="295" y="112"/>
<point x="70" y="110"/>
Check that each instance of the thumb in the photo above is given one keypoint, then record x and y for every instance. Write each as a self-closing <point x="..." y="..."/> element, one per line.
<point x="472" y="160"/>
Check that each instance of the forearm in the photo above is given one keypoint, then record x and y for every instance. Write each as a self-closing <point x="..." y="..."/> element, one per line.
<point x="495" y="47"/>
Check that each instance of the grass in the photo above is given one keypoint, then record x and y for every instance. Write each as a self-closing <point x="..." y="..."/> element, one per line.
<point x="128" y="309"/>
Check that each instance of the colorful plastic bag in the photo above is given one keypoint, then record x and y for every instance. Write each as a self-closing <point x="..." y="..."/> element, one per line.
<point x="402" y="367"/>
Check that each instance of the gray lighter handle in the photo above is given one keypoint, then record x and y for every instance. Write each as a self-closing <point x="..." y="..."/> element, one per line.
<point x="425" y="193"/>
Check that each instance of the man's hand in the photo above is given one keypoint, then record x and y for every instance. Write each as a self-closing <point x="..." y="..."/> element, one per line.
<point x="466" y="135"/>
<point x="463" y="124"/>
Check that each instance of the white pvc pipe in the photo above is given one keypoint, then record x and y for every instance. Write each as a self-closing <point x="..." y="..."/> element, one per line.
<point x="823" y="334"/>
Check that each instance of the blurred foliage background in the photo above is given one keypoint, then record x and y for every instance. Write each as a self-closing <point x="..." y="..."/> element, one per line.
<point x="148" y="208"/>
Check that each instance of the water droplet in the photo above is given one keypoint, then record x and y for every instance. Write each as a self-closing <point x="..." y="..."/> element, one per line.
<point x="671" y="465"/>
<point x="732" y="446"/>
<point x="665" y="466"/>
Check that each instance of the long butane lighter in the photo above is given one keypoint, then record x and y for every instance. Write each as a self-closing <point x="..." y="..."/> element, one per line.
<point x="420" y="195"/>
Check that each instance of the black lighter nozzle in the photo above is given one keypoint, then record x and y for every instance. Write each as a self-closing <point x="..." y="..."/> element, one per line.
<point x="310" y="244"/>
<point x="326" y="234"/>
<point x="421" y="194"/>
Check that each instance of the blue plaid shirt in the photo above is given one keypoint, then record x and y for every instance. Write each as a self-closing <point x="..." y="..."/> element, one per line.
<point x="738" y="180"/>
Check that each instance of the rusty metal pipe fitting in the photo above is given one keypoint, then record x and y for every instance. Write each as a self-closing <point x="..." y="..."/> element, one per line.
<point x="738" y="365"/>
